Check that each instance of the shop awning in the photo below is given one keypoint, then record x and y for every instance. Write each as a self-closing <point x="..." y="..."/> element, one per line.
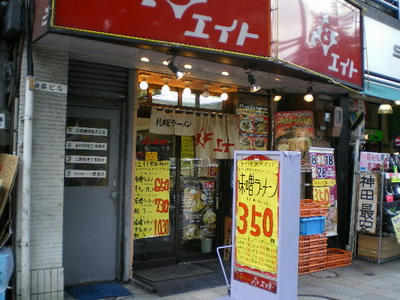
<point x="382" y="89"/>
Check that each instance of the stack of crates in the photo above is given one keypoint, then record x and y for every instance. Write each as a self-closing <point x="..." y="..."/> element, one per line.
<point x="313" y="252"/>
<point x="313" y="240"/>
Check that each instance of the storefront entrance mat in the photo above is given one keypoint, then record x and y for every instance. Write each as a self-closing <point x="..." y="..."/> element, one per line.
<point x="97" y="291"/>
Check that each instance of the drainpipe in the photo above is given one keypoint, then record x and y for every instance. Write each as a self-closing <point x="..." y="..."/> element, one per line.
<point x="26" y="165"/>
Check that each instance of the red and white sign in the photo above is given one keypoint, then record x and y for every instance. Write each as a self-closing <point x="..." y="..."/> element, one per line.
<point x="241" y="27"/>
<point x="324" y="36"/>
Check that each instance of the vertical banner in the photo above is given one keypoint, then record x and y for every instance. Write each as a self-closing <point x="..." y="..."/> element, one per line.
<point x="324" y="184"/>
<point x="253" y="126"/>
<point x="151" y="206"/>
<point x="367" y="202"/>
<point x="256" y="236"/>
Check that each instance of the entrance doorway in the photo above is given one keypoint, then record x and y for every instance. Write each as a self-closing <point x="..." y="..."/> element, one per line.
<point x="91" y="194"/>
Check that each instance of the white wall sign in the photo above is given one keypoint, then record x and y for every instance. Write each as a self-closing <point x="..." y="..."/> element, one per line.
<point x="85" y="159"/>
<point x="85" y="173"/>
<point x="87" y="131"/>
<point x="49" y="87"/>
<point x="382" y="48"/>
<point x="86" y="146"/>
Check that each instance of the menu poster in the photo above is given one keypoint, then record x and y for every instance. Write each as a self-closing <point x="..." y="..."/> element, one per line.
<point x="198" y="210"/>
<point x="256" y="237"/>
<point x="294" y="131"/>
<point x="253" y="127"/>
<point x="323" y="172"/>
<point x="148" y="142"/>
<point x="87" y="152"/>
<point x="396" y="226"/>
<point x="151" y="204"/>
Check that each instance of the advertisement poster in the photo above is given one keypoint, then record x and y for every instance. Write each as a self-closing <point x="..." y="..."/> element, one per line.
<point x="294" y="131"/>
<point x="256" y="237"/>
<point x="396" y="226"/>
<point x="198" y="210"/>
<point x="253" y="127"/>
<point x="367" y="202"/>
<point x="151" y="205"/>
<point x="323" y="172"/>
<point x="372" y="161"/>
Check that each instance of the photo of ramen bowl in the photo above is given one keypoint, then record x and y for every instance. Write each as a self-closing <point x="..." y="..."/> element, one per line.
<point x="245" y="142"/>
<point x="246" y="125"/>
<point x="259" y="143"/>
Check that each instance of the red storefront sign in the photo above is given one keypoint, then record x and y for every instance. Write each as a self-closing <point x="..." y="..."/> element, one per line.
<point x="321" y="35"/>
<point x="241" y="26"/>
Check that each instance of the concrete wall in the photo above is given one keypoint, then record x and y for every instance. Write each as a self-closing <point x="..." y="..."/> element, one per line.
<point x="47" y="274"/>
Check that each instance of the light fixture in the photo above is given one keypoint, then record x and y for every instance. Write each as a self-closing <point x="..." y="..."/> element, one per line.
<point x="165" y="62"/>
<point x="145" y="59"/>
<point x="253" y="84"/>
<point x="385" y="109"/>
<point x="224" y="95"/>
<point x="277" y="79"/>
<point x="225" y="73"/>
<point x="187" y="91"/>
<point x="206" y="92"/>
<point x="397" y="102"/>
<point x="143" y="85"/>
<point x="174" y="69"/>
<point x="277" y="97"/>
<point x="165" y="88"/>
<point x="309" y="97"/>
<point x="188" y="67"/>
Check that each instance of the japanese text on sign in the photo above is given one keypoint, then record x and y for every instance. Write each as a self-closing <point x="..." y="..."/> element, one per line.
<point x="257" y="216"/>
<point x="367" y="202"/>
<point x="48" y="87"/>
<point x="151" y="206"/>
<point x="396" y="226"/>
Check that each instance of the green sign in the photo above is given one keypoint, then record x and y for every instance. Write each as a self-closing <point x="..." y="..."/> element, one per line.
<point x="374" y="135"/>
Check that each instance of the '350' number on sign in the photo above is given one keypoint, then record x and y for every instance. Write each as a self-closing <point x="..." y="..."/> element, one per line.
<point x="252" y="217"/>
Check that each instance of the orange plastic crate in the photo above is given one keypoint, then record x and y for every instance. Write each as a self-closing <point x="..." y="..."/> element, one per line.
<point x="338" y="258"/>
<point x="313" y="262"/>
<point x="312" y="255"/>
<point x="311" y="237"/>
<point x="313" y="243"/>
<point x="309" y="208"/>
<point x="313" y="249"/>
<point x="307" y="270"/>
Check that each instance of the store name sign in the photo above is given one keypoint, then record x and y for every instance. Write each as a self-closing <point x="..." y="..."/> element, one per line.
<point x="210" y="24"/>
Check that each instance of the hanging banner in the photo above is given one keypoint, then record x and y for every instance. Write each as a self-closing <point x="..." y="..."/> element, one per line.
<point x="367" y="202"/>
<point x="294" y="131"/>
<point x="372" y="161"/>
<point x="323" y="172"/>
<point x="256" y="236"/>
<point x="253" y="126"/>
<point x="172" y="123"/>
<point x="151" y="205"/>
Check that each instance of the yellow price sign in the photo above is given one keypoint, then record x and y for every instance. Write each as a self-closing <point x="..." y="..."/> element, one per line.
<point x="324" y="182"/>
<point x="322" y="194"/>
<point x="151" y="156"/>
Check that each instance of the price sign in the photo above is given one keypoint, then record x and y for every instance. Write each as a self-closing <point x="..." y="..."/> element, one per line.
<point x="321" y="194"/>
<point x="152" y="202"/>
<point x="151" y="156"/>
<point x="257" y="220"/>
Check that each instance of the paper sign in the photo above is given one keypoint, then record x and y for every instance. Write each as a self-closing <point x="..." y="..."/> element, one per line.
<point x="151" y="156"/>
<point x="187" y="147"/>
<point x="367" y="202"/>
<point x="86" y="146"/>
<point x="87" y="131"/>
<point x="257" y="221"/>
<point x="151" y="207"/>
<point x="396" y="225"/>
<point x="372" y="161"/>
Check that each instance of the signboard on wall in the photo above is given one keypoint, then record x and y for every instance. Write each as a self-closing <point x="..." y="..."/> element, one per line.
<point x="368" y="187"/>
<point x="208" y="24"/>
<point x="265" y="225"/>
<point x="373" y="161"/>
<point x="253" y="126"/>
<point x="324" y="36"/>
<point x="151" y="203"/>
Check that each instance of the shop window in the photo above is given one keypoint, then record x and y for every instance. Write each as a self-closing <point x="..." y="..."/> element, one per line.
<point x="211" y="102"/>
<point x="189" y="100"/>
<point x="168" y="98"/>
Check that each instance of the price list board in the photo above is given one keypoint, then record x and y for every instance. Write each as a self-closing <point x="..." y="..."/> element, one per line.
<point x="257" y="223"/>
<point x="152" y="199"/>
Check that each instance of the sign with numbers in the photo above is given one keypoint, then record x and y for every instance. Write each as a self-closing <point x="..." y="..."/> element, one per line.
<point x="151" y="204"/>
<point x="324" y="184"/>
<point x="265" y="228"/>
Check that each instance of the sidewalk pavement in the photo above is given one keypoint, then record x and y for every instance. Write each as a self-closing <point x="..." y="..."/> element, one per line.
<point x="362" y="280"/>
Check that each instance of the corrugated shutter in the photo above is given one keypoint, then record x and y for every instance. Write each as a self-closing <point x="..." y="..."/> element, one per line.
<point x="97" y="81"/>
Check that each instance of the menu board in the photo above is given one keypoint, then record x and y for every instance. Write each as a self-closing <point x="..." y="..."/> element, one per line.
<point x="198" y="209"/>
<point x="294" y="131"/>
<point x="87" y="152"/>
<point x="256" y="236"/>
<point x="162" y="145"/>
<point x="323" y="173"/>
<point x="253" y="127"/>
<point x="152" y="201"/>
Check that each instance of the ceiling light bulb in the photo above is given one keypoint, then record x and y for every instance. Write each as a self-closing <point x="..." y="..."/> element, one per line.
<point x="187" y="91"/>
<point x="277" y="98"/>
<point x="224" y="96"/>
<point x="309" y="97"/>
<point x="224" y="73"/>
<point x="205" y="93"/>
<point x="179" y="75"/>
<point x="187" y="66"/>
<point x="145" y="59"/>
<point x="254" y="88"/>
<point x="144" y="85"/>
<point x="397" y="102"/>
<point x="165" y="89"/>
<point x="165" y="62"/>
<point x="253" y="85"/>
<point x="385" y="109"/>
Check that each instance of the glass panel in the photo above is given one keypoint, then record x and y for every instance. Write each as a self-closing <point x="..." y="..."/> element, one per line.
<point x="152" y="248"/>
<point x="189" y="100"/>
<point x="170" y="98"/>
<point x="198" y="216"/>
<point x="211" y="102"/>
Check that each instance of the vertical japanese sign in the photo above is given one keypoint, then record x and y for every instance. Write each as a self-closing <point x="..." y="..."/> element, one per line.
<point x="323" y="172"/>
<point x="151" y="205"/>
<point x="367" y="202"/>
<point x="256" y="233"/>
<point x="253" y="126"/>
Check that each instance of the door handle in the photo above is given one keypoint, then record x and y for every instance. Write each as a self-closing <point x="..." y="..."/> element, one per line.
<point x="114" y="195"/>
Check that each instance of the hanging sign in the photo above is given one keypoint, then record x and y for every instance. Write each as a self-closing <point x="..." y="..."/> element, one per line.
<point x="367" y="202"/>
<point x="323" y="172"/>
<point x="152" y="201"/>
<point x="172" y="123"/>
<point x="253" y="126"/>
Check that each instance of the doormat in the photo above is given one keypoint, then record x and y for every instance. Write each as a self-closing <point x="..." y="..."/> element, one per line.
<point x="97" y="291"/>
